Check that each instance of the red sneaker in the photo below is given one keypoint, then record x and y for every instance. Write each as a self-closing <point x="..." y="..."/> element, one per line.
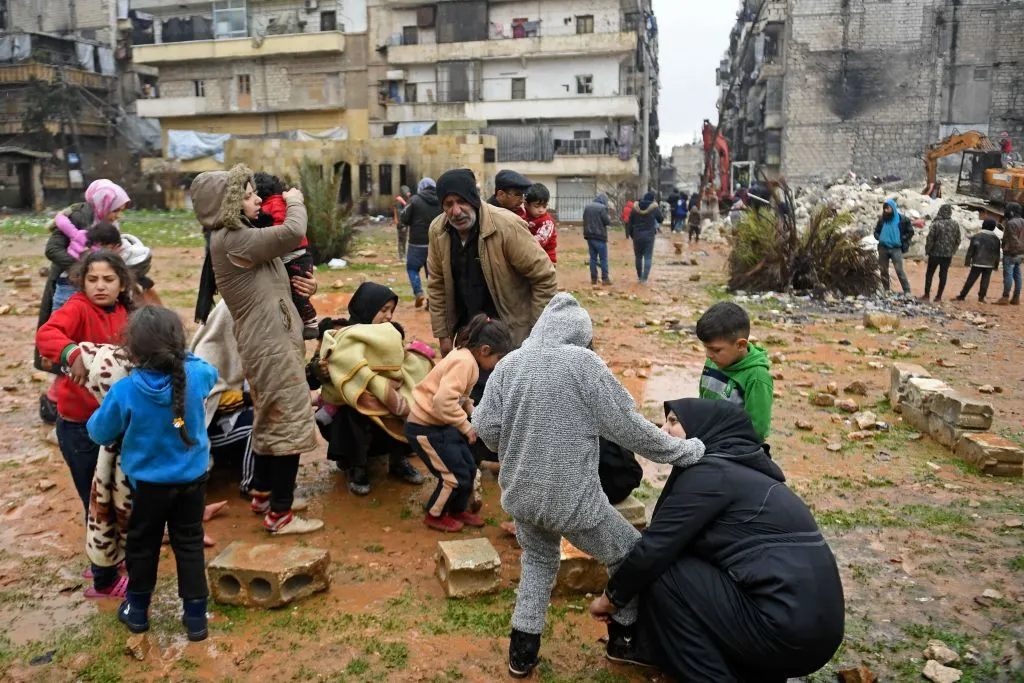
<point x="444" y="523"/>
<point x="469" y="519"/>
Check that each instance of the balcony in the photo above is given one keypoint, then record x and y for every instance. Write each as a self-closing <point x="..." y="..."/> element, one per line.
<point x="515" y="48"/>
<point x="24" y="73"/>
<point x="578" y="107"/>
<point x="169" y="107"/>
<point x="240" y="48"/>
<point x="581" y="165"/>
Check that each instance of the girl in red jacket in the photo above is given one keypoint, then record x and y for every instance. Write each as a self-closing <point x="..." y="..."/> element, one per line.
<point x="97" y="313"/>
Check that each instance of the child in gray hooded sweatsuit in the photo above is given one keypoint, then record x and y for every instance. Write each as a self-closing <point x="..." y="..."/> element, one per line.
<point x="543" y="411"/>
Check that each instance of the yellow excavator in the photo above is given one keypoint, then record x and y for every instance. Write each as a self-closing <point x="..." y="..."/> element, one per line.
<point x="958" y="142"/>
<point x="982" y="173"/>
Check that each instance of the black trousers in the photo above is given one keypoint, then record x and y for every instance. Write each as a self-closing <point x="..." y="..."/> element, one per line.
<point x="985" y="274"/>
<point x="480" y="450"/>
<point x="353" y="437"/>
<point x="179" y="507"/>
<point x="702" y="627"/>
<point x="302" y="266"/>
<point x="446" y="453"/>
<point x="276" y="474"/>
<point x="942" y="263"/>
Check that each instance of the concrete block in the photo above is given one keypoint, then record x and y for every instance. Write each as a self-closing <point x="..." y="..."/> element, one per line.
<point x="267" y="575"/>
<point x="992" y="454"/>
<point x="468" y="568"/>
<point x="962" y="411"/>
<point x="579" y="573"/>
<point x="921" y="391"/>
<point x="899" y="375"/>
<point x="945" y="433"/>
<point x="918" y="419"/>
<point x="634" y="511"/>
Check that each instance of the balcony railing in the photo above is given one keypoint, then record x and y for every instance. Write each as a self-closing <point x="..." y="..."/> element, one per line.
<point x="587" y="147"/>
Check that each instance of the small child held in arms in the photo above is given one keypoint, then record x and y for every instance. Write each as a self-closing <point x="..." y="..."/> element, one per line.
<point x="736" y="370"/>
<point x="542" y="225"/>
<point x="158" y="413"/>
<point x="299" y="262"/>
<point x="438" y="427"/>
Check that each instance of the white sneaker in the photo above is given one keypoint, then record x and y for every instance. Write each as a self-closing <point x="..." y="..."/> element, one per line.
<point x="298" y="525"/>
<point x="299" y="504"/>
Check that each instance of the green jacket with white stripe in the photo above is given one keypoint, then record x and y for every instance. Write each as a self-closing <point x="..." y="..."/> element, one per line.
<point x="747" y="383"/>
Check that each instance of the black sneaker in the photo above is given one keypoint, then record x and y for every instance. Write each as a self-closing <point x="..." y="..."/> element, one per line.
<point x="624" y="647"/>
<point x="401" y="468"/>
<point x="47" y="410"/>
<point x="523" y="649"/>
<point x="359" y="481"/>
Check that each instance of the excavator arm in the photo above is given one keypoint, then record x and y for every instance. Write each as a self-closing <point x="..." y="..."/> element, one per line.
<point x="958" y="142"/>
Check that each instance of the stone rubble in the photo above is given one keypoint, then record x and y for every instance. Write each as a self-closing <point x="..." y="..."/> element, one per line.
<point x="938" y="673"/>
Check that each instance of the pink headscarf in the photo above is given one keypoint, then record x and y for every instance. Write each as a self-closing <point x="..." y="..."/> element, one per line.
<point x="105" y="196"/>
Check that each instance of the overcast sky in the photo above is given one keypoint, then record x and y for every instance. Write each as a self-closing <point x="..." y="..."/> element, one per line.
<point x="692" y="37"/>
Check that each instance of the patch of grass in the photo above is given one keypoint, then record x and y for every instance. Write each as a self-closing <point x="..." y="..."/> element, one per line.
<point x="357" y="666"/>
<point x="374" y="548"/>
<point x="489" y="616"/>
<point x="907" y="516"/>
<point x="646" y="492"/>
<point x="392" y="655"/>
<point x="187" y="664"/>
<point x="1017" y="563"/>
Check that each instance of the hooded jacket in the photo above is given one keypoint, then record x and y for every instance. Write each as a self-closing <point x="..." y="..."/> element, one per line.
<point x="983" y="250"/>
<point x="543" y="411"/>
<point x="1013" y="233"/>
<point x="944" y="236"/>
<point x="596" y="220"/>
<point x="645" y="219"/>
<point x="252" y="280"/>
<point x="746" y="383"/>
<point x="897" y="231"/>
<point x="733" y="510"/>
<point x="139" y="409"/>
<point x="423" y="208"/>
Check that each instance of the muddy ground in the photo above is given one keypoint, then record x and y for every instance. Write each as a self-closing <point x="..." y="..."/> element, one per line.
<point x="918" y="535"/>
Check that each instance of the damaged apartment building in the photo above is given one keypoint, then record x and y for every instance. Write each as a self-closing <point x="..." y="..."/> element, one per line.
<point x="67" y="98"/>
<point x="813" y="89"/>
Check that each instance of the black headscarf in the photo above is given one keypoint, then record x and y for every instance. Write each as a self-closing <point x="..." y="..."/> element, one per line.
<point x="367" y="302"/>
<point x="725" y="428"/>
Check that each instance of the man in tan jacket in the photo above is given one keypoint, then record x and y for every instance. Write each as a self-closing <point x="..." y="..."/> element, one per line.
<point x="483" y="259"/>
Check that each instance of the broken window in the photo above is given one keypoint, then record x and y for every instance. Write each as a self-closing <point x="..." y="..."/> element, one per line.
<point x="772" y="147"/>
<point x="410" y="35"/>
<point x="384" y="174"/>
<point x="199" y="88"/>
<point x="773" y="96"/>
<point x="329" y="21"/>
<point x="585" y="85"/>
<point x="585" y="24"/>
<point x="627" y="79"/>
<point x="458" y="81"/>
<point x="410" y="93"/>
<point x="772" y="43"/>
<point x="460" y="21"/>
<point x="229" y="19"/>
<point x="518" y="88"/>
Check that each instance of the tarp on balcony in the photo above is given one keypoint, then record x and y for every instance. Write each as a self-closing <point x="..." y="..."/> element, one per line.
<point x="414" y="129"/>
<point x="15" y="47"/>
<point x="185" y="145"/>
<point x="338" y="133"/>
<point x="84" y="54"/>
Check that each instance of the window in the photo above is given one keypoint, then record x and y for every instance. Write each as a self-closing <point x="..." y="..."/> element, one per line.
<point x="518" y="88"/>
<point x="627" y="79"/>
<point x="773" y="96"/>
<point x="365" y="179"/>
<point x="581" y="135"/>
<point x="329" y="21"/>
<point x="244" y="84"/>
<point x="772" y="146"/>
<point x="410" y="93"/>
<point x="199" y="88"/>
<point x="490" y="155"/>
<point x="390" y="129"/>
<point x="3" y="15"/>
<point x="585" y="24"/>
<point x="403" y="175"/>
<point x="229" y="19"/>
<point x="410" y="35"/>
<point x="585" y="85"/>
<point x="384" y="174"/>
<point x="981" y="74"/>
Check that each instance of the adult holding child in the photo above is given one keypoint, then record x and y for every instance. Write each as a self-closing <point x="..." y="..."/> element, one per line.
<point x="251" y="277"/>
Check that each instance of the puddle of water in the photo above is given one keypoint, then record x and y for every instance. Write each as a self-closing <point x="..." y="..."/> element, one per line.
<point x="666" y="383"/>
<point x="42" y="618"/>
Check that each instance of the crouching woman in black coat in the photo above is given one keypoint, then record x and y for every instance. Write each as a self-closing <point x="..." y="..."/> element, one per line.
<point x="736" y="582"/>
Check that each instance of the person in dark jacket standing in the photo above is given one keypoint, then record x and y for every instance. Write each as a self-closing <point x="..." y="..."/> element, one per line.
<point x="1013" y="254"/>
<point x="893" y="233"/>
<point x="423" y="208"/>
<point x="644" y="222"/>
<point x="943" y="241"/>
<point x="736" y="582"/>
<point x="595" y="232"/>
<point x="983" y="258"/>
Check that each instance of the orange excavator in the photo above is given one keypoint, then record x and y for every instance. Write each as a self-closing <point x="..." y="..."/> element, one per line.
<point x="717" y="148"/>
<point x="958" y="142"/>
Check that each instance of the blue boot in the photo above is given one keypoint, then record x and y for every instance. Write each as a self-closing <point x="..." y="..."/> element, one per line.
<point x="134" y="612"/>
<point x="194" y="619"/>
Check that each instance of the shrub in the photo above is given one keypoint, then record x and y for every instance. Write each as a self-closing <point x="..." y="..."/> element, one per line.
<point x="331" y="226"/>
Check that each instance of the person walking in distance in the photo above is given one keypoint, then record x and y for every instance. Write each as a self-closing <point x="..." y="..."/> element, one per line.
<point x="423" y="208"/>
<point x="595" y="231"/>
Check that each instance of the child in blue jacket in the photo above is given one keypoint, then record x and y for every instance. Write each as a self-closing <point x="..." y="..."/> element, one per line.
<point x="158" y="413"/>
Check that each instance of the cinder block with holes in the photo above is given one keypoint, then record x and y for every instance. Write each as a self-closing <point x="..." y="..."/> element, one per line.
<point x="468" y="568"/>
<point x="266" y="575"/>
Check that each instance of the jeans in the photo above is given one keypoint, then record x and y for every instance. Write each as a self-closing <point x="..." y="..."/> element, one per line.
<point x="985" y="274"/>
<point x="894" y="254"/>
<point x="416" y="258"/>
<point x="276" y="474"/>
<point x="1011" y="276"/>
<point x="643" y="249"/>
<point x="678" y="222"/>
<point x="62" y="291"/>
<point x="942" y="264"/>
<point x="179" y="507"/>
<point x="80" y="453"/>
<point x="598" y="251"/>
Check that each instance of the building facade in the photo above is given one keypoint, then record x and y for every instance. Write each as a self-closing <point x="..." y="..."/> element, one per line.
<point x="823" y="87"/>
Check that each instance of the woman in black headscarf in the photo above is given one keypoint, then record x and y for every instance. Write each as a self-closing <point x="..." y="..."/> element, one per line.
<point x="736" y="582"/>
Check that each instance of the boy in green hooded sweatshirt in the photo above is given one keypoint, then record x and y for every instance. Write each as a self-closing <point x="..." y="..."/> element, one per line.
<point x="736" y="370"/>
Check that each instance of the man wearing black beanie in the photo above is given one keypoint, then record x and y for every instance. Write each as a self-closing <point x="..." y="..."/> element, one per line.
<point x="483" y="259"/>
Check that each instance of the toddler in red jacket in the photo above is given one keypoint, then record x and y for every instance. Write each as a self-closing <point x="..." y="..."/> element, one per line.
<point x="299" y="262"/>
<point x="542" y="225"/>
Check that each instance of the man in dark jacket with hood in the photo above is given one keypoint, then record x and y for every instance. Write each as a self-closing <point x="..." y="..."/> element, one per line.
<point x="893" y="233"/>
<point x="644" y="222"/>
<point x="423" y="208"/>
<point x="595" y="232"/>
<point x="941" y="245"/>
<point x="736" y="582"/>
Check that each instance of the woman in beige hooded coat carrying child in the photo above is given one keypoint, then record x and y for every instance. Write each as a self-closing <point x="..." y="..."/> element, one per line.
<point x="254" y="284"/>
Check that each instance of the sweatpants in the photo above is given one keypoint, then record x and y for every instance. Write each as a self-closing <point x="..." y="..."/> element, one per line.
<point x="446" y="453"/>
<point x="231" y="442"/>
<point x="179" y="507"/>
<point x="704" y="628"/>
<point x="609" y="541"/>
<point x="276" y="474"/>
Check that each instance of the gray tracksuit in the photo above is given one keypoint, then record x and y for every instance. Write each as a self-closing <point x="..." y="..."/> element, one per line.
<point x="543" y="410"/>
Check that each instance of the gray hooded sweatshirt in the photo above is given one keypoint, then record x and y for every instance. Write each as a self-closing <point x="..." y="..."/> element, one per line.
<point x="543" y="410"/>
